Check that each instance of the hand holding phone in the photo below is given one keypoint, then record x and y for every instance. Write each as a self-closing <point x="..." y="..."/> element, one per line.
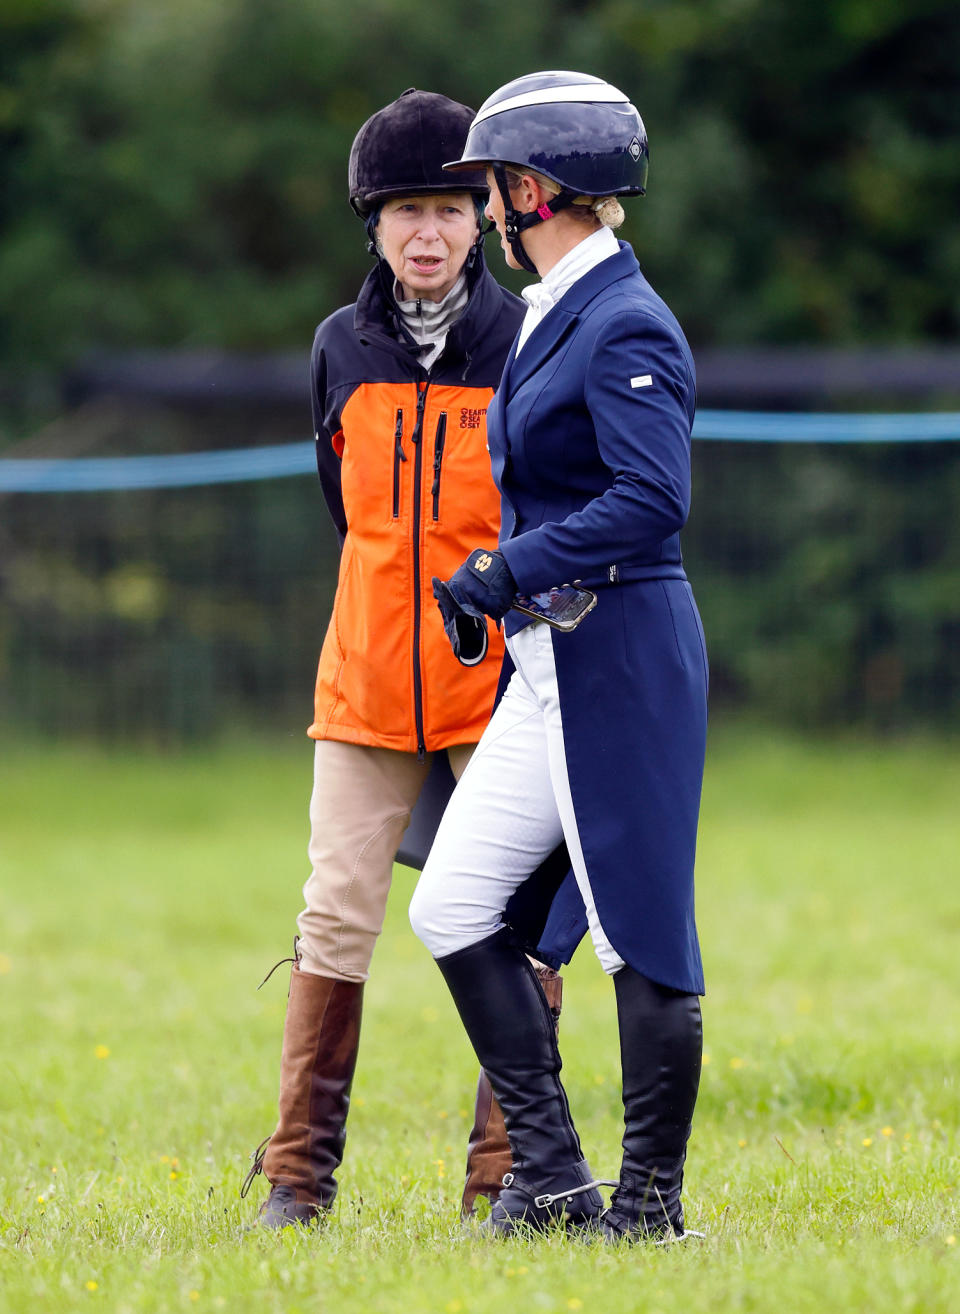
<point x="563" y="607"/>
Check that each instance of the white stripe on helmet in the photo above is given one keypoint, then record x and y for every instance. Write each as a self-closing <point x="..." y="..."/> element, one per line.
<point x="583" y="92"/>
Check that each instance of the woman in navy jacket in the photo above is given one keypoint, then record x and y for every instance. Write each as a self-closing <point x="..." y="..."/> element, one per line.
<point x="599" y="738"/>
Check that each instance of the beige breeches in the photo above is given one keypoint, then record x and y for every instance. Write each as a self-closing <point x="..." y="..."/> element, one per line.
<point x="360" y="807"/>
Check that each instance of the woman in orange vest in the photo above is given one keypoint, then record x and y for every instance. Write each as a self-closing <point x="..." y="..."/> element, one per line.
<point x="401" y="381"/>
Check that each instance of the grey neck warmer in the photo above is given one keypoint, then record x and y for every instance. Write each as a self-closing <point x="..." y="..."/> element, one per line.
<point x="429" y="322"/>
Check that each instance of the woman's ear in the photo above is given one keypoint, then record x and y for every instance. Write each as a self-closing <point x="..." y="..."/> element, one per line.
<point x="530" y="194"/>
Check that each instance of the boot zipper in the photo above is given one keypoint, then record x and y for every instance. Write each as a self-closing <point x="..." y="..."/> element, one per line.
<point x="417" y="501"/>
<point x="438" y="462"/>
<point x="398" y="456"/>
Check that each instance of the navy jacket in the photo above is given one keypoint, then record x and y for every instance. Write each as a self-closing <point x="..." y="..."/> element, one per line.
<point x="589" y="438"/>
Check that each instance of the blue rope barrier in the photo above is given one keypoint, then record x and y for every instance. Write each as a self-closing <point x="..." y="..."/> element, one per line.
<point x="825" y="427"/>
<point x="97" y="474"/>
<point x="284" y="460"/>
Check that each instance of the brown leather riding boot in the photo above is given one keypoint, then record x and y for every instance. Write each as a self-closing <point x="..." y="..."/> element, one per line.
<point x="488" y="1150"/>
<point x="320" y="1040"/>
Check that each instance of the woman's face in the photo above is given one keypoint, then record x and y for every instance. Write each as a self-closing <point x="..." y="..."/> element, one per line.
<point x="426" y="240"/>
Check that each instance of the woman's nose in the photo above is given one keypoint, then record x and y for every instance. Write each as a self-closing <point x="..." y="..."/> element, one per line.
<point x="428" y="228"/>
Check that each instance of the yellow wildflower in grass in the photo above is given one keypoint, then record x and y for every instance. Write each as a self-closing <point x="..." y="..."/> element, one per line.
<point x="951" y="1240"/>
<point x="599" y="1079"/>
<point x="452" y="1306"/>
<point x="173" y="1175"/>
<point x="705" y="1060"/>
<point x="442" y="1113"/>
<point x="91" y="1285"/>
<point x="574" y="1303"/>
<point x="40" y="1199"/>
<point x="887" y="1131"/>
<point x="736" y="1064"/>
<point x="193" y="1295"/>
<point x="742" y="1143"/>
<point x="867" y="1140"/>
<point x="102" y="1052"/>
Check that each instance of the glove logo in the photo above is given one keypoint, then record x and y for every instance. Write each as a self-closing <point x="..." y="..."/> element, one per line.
<point x="482" y="561"/>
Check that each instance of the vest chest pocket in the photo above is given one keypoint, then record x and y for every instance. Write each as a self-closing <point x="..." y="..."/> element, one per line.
<point x="438" y="446"/>
<point x="398" y="456"/>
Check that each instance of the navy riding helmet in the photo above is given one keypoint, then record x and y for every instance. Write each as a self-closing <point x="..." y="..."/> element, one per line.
<point x="579" y="131"/>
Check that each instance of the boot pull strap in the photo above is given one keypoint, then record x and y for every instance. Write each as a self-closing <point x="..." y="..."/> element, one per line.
<point x="257" y="1157"/>
<point x="295" y="959"/>
<point x="544" y="1201"/>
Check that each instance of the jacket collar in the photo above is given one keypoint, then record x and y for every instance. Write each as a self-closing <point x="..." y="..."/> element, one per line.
<point x="561" y="320"/>
<point x="378" y="322"/>
<point x="595" y="280"/>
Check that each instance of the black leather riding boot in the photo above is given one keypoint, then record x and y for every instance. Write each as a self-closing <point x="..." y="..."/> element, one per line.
<point x="488" y="1150"/>
<point x="506" y="1015"/>
<point x="660" y="1052"/>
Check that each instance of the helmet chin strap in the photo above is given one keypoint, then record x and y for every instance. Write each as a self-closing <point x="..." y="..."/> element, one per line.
<point x="476" y="251"/>
<point x="516" y="222"/>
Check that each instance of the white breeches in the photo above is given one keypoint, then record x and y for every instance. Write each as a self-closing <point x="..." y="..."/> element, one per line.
<point x="510" y="809"/>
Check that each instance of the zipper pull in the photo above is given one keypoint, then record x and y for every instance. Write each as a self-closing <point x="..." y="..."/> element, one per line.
<point x="421" y="402"/>
<point x="398" y="437"/>
<point x="438" y="457"/>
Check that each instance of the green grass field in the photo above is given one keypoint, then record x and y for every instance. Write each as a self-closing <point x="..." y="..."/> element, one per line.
<point x="143" y="897"/>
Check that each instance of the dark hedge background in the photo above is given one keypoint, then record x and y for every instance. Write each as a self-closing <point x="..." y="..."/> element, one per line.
<point x="173" y="176"/>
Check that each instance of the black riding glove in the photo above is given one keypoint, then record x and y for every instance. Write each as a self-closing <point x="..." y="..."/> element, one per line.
<point x="484" y="582"/>
<point x="466" y="628"/>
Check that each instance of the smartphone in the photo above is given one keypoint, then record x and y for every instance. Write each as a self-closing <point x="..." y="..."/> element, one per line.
<point x="563" y="607"/>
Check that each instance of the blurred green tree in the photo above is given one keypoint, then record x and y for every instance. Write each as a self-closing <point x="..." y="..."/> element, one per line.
<point x="174" y="171"/>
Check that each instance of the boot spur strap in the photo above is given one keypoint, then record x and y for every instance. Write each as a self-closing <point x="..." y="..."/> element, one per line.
<point x="673" y="1238"/>
<point x="257" y="1157"/>
<point x="544" y="1201"/>
<point x="295" y="959"/>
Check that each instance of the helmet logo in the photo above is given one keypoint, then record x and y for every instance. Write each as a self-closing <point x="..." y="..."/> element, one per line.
<point x="635" y="149"/>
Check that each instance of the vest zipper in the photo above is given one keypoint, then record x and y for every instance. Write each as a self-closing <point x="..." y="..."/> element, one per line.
<point x="438" y="462"/>
<point x="417" y="504"/>
<point x="398" y="456"/>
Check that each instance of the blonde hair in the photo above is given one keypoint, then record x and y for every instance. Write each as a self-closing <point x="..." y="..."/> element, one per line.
<point x="606" y="209"/>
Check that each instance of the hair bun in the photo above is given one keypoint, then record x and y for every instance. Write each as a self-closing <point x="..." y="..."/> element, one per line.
<point x="609" y="211"/>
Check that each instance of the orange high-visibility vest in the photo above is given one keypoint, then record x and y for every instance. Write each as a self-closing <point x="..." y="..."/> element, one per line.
<point x="405" y="470"/>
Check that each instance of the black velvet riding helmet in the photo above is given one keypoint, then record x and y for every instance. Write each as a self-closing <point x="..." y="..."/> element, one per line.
<point x="401" y="151"/>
